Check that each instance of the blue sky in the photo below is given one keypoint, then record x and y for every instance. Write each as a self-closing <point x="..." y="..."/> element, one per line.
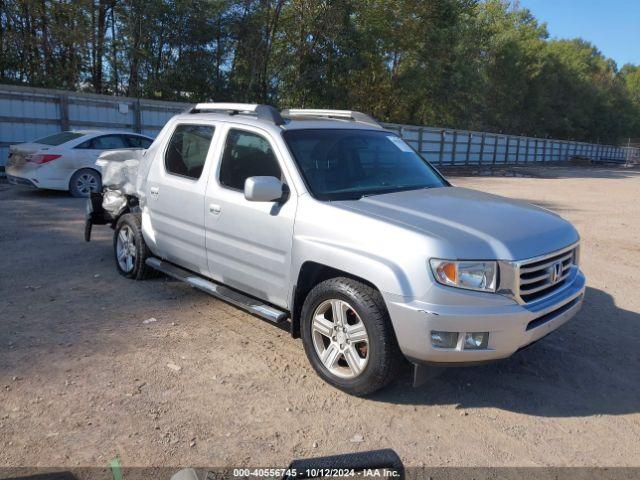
<point x="612" y="26"/>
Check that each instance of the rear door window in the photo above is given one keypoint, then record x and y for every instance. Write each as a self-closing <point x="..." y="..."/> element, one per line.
<point x="109" y="142"/>
<point x="58" y="138"/>
<point x="104" y="142"/>
<point x="187" y="150"/>
<point x="247" y="154"/>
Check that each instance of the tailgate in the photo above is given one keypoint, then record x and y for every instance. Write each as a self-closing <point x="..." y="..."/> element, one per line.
<point x="119" y="169"/>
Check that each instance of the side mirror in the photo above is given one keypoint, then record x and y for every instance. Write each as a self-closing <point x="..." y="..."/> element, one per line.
<point x="263" y="189"/>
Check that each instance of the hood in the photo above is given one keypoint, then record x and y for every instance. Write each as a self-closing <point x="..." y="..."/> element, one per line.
<point x="471" y="224"/>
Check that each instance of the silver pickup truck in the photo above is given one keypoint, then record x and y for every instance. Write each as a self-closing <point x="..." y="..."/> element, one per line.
<point x="327" y="221"/>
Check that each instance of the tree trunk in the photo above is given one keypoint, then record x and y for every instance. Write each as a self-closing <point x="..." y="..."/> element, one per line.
<point x="134" y="64"/>
<point x="46" y="47"/>
<point x="99" y="32"/>
<point x="3" y="47"/>
<point x="219" y="53"/>
<point x="114" y="49"/>
<point x="273" y="27"/>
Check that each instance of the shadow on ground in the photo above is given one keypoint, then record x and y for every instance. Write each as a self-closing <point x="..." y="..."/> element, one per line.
<point x="65" y="294"/>
<point x="542" y="170"/>
<point x="588" y="367"/>
<point x="20" y="191"/>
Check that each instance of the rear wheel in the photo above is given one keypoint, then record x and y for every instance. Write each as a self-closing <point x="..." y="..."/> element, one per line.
<point x="130" y="249"/>
<point x="85" y="181"/>
<point x="348" y="337"/>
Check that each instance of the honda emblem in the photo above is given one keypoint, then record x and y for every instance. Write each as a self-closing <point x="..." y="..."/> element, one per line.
<point x="555" y="272"/>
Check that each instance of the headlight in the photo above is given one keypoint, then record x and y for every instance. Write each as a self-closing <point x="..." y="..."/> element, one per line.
<point x="482" y="276"/>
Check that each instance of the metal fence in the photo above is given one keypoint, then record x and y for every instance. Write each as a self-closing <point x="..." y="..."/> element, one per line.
<point x="28" y="113"/>
<point x="462" y="147"/>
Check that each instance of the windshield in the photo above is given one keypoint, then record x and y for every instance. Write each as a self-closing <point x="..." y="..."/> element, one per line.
<point x="59" y="138"/>
<point x="339" y="164"/>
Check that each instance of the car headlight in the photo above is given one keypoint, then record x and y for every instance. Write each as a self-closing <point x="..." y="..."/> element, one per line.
<point x="480" y="275"/>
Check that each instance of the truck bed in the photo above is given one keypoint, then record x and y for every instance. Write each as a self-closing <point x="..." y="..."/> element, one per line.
<point x="120" y="170"/>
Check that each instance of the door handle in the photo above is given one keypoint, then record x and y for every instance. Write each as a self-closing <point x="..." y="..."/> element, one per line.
<point x="215" y="209"/>
<point x="154" y="191"/>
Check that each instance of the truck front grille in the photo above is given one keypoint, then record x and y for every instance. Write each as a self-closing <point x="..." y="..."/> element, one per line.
<point x="541" y="276"/>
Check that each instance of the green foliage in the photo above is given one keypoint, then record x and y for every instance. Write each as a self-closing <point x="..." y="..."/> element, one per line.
<point x="474" y="64"/>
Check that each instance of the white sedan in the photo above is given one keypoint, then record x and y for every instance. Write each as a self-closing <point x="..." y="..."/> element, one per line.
<point x="66" y="160"/>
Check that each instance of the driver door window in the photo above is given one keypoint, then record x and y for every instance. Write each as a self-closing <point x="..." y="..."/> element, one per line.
<point x="246" y="154"/>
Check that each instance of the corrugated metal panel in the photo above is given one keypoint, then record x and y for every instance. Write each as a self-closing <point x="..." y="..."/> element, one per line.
<point x="29" y="113"/>
<point x="461" y="147"/>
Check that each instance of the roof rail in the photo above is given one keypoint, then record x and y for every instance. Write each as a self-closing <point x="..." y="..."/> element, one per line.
<point x="346" y="114"/>
<point x="263" y="112"/>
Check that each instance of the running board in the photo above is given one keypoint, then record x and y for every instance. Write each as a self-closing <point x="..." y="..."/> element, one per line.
<point x="251" y="305"/>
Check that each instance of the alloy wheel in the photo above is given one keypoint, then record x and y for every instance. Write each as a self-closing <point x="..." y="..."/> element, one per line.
<point x="87" y="183"/>
<point x="340" y="338"/>
<point x="126" y="249"/>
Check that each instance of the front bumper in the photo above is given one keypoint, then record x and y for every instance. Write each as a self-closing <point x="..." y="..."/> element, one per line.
<point x="511" y="326"/>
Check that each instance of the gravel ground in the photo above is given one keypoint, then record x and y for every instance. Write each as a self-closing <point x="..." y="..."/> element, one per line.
<point x="94" y="366"/>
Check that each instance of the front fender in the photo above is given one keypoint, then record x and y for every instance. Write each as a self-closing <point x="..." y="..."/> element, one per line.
<point x="381" y="271"/>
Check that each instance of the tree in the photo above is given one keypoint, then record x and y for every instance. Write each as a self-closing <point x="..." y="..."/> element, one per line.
<point x="477" y="64"/>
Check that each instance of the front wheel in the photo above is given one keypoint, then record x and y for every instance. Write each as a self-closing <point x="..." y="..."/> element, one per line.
<point x="130" y="249"/>
<point x="348" y="337"/>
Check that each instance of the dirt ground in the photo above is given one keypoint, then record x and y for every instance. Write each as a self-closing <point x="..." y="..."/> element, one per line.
<point x="84" y="375"/>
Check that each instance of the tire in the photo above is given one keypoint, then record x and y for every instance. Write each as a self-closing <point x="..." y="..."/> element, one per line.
<point x="130" y="250"/>
<point x="379" y="357"/>
<point x="85" y="181"/>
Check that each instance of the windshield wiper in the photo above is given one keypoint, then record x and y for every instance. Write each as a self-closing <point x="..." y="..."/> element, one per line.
<point x="401" y="188"/>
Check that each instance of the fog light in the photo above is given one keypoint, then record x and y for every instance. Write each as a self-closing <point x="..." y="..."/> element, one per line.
<point x="476" y="340"/>
<point x="444" y="339"/>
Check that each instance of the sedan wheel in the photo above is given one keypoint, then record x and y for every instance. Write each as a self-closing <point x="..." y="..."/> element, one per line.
<point x="87" y="183"/>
